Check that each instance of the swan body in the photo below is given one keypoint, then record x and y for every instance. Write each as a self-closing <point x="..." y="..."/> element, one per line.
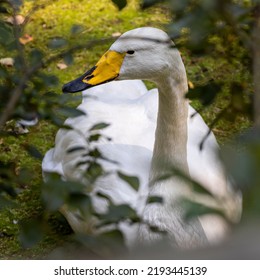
<point x="150" y="131"/>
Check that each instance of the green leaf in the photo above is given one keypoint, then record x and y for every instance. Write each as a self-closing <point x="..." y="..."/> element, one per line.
<point x="57" y="43"/>
<point x="99" y="126"/>
<point x="83" y="162"/>
<point x="56" y="120"/>
<point x="194" y="210"/>
<point x="149" y="3"/>
<point x="94" y="170"/>
<point x="120" y="3"/>
<point x="237" y="11"/>
<point x="113" y="238"/>
<point x="82" y="202"/>
<point x="35" y="56"/>
<point x="155" y="229"/>
<point x="155" y="199"/>
<point x="34" y="152"/>
<point x="56" y="191"/>
<point x="94" y="137"/>
<point x="95" y="153"/>
<point x="3" y="73"/>
<point x="75" y="29"/>
<point x="70" y="112"/>
<point x="117" y="213"/>
<point x="16" y="3"/>
<point x="76" y="149"/>
<point x="7" y="189"/>
<point x="6" y="203"/>
<point x="199" y="188"/>
<point x="6" y="34"/>
<point x="104" y="244"/>
<point x="102" y="195"/>
<point x="133" y="181"/>
<point x="68" y="58"/>
<point x="206" y="94"/>
<point x="52" y="197"/>
<point x="49" y="80"/>
<point x="3" y="10"/>
<point x="31" y="232"/>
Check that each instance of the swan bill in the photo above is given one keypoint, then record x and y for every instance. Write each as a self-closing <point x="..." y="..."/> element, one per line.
<point x="77" y="84"/>
<point x="107" y="69"/>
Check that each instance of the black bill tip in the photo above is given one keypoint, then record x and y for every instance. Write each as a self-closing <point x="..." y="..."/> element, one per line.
<point x="78" y="84"/>
<point x="75" y="86"/>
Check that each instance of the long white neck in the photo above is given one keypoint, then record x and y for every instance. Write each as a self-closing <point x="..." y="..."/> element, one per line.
<point x="170" y="152"/>
<point x="170" y="148"/>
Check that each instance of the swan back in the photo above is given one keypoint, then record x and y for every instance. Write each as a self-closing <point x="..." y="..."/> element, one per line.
<point x="116" y="92"/>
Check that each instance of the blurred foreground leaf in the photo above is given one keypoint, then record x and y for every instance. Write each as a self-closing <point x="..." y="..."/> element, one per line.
<point x="242" y="160"/>
<point x="133" y="181"/>
<point x="31" y="232"/>
<point x="120" y="3"/>
<point x="194" y="210"/>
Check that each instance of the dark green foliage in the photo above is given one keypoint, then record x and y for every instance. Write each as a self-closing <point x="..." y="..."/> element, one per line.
<point x="131" y="180"/>
<point x="242" y="160"/>
<point x="57" y="43"/>
<point x="75" y="29"/>
<point x="99" y="126"/>
<point x="55" y="192"/>
<point x="194" y="210"/>
<point x="81" y="202"/>
<point x="5" y="203"/>
<point x="6" y="34"/>
<point x="31" y="232"/>
<point x="34" y="152"/>
<point x="120" y="3"/>
<point x="16" y="3"/>
<point x="149" y="3"/>
<point x="107" y="244"/>
<point x="205" y="94"/>
<point x="155" y="199"/>
<point x="118" y="213"/>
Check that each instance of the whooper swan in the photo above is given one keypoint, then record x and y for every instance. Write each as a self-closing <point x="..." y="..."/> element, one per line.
<point x="150" y="131"/>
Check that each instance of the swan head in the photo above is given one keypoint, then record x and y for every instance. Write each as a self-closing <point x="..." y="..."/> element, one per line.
<point x="144" y="53"/>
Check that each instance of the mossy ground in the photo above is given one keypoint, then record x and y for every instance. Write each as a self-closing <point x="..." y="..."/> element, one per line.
<point x="99" y="19"/>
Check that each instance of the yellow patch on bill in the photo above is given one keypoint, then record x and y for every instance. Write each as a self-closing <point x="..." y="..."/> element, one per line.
<point x="107" y="68"/>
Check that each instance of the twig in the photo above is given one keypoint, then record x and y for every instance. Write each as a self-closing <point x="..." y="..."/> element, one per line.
<point x="214" y="122"/>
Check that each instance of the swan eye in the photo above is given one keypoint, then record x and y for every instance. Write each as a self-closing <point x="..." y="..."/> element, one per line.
<point x="130" y="52"/>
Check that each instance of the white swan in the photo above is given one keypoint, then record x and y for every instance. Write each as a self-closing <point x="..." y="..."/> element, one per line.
<point x="143" y="146"/>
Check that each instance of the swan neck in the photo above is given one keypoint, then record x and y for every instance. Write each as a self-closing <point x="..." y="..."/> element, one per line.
<point x="171" y="136"/>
